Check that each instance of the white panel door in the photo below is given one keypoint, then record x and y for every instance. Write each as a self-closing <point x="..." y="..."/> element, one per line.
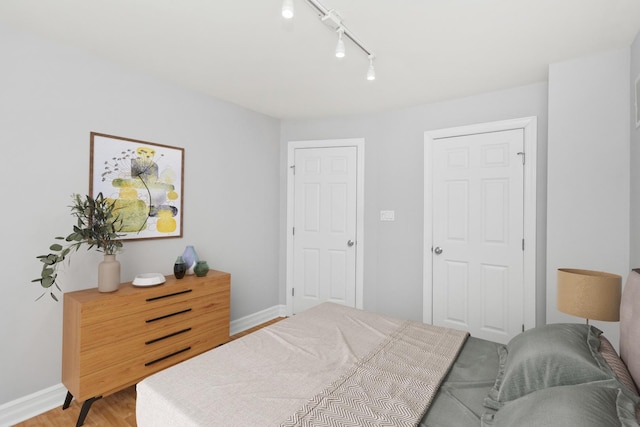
<point x="478" y="229"/>
<point x="324" y="241"/>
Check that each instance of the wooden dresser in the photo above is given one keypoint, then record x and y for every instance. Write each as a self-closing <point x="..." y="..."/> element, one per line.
<point x="113" y="340"/>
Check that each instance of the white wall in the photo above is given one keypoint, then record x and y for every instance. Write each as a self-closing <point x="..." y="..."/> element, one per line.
<point x="394" y="180"/>
<point x="51" y="97"/>
<point x="588" y="171"/>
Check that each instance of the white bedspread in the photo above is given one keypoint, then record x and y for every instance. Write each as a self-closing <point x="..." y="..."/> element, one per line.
<point x="268" y="377"/>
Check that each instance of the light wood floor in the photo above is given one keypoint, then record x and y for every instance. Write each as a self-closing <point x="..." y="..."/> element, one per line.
<point x="118" y="409"/>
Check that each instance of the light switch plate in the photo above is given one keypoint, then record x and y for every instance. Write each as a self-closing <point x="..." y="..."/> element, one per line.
<point x="387" y="215"/>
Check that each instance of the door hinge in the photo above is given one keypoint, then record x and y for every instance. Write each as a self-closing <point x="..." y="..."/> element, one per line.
<point x="293" y="231"/>
<point x="523" y="328"/>
<point x="523" y="244"/>
<point x="293" y="169"/>
<point x="293" y="292"/>
<point x="522" y="153"/>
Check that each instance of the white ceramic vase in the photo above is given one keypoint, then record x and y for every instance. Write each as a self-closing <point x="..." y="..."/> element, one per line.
<point x="109" y="274"/>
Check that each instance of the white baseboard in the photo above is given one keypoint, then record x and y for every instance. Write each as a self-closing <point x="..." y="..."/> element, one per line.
<point x="41" y="401"/>
<point x="255" y="319"/>
<point x="34" y="404"/>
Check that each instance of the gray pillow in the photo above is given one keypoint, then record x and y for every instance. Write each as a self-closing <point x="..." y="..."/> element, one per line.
<point x="549" y="356"/>
<point x="584" y="405"/>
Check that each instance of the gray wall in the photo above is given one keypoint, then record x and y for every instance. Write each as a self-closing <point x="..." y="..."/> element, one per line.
<point x="394" y="180"/>
<point x="235" y="197"/>
<point x="635" y="159"/>
<point x="588" y="171"/>
<point x="51" y="98"/>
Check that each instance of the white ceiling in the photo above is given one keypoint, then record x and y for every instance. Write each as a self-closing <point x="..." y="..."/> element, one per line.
<point x="244" y="52"/>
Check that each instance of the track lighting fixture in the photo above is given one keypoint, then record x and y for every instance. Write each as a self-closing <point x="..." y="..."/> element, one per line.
<point x="333" y="20"/>
<point x="340" y="46"/>
<point x="371" y="72"/>
<point x="287" y="9"/>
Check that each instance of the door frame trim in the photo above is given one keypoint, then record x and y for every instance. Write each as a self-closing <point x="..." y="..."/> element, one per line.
<point x="529" y="127"/>
<point x="358" y="143"/>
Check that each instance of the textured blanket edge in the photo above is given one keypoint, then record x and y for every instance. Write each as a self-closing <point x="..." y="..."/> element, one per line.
<point x="393" y="385"/>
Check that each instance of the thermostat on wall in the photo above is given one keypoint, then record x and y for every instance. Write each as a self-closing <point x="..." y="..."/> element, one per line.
<point x="387" y="215"/>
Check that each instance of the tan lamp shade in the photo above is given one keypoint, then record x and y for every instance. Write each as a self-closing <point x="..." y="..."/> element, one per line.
<point x="589" y="294"/>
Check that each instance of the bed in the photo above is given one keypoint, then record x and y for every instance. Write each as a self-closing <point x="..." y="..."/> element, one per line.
<point x="335" y="365"/>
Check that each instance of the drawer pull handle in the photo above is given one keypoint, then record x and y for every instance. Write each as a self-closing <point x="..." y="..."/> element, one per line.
<point x="186" y="291"/>
<point x="155" y="319"/>
<point x="167" y="356"/>
<point x="167" y="336"/>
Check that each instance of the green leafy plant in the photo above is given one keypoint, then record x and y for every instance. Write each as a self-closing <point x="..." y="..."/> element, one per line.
<point x="97" y="227"/>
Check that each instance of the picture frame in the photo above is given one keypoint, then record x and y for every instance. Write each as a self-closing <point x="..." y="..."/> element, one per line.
<point x="146" y="182"/>
<point x="637" y="96"/>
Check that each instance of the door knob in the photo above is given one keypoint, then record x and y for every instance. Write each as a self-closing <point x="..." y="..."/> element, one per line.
<point x="437" y="250"/>
<point x="350" y="243"/>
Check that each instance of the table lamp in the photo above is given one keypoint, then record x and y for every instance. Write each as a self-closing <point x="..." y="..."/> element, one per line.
<point x="590" y="294"/>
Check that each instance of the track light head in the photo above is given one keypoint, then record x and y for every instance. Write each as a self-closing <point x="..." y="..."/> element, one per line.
<point x="287" y="9"/>
<point x="371" y="72"/>
<point x="340" y="49"/>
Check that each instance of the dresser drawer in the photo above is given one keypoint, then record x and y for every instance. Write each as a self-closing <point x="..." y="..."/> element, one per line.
<point x="208" y="323"/>
<point x="152" y="322"/>
<point x="129" y="300"/>
<point x="139" y="366"/>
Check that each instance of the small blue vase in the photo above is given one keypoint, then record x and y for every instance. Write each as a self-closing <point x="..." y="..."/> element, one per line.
<point x="190" y="258"/>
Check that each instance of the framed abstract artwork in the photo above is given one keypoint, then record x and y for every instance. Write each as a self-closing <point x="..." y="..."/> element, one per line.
<point x="144" y="179"/>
